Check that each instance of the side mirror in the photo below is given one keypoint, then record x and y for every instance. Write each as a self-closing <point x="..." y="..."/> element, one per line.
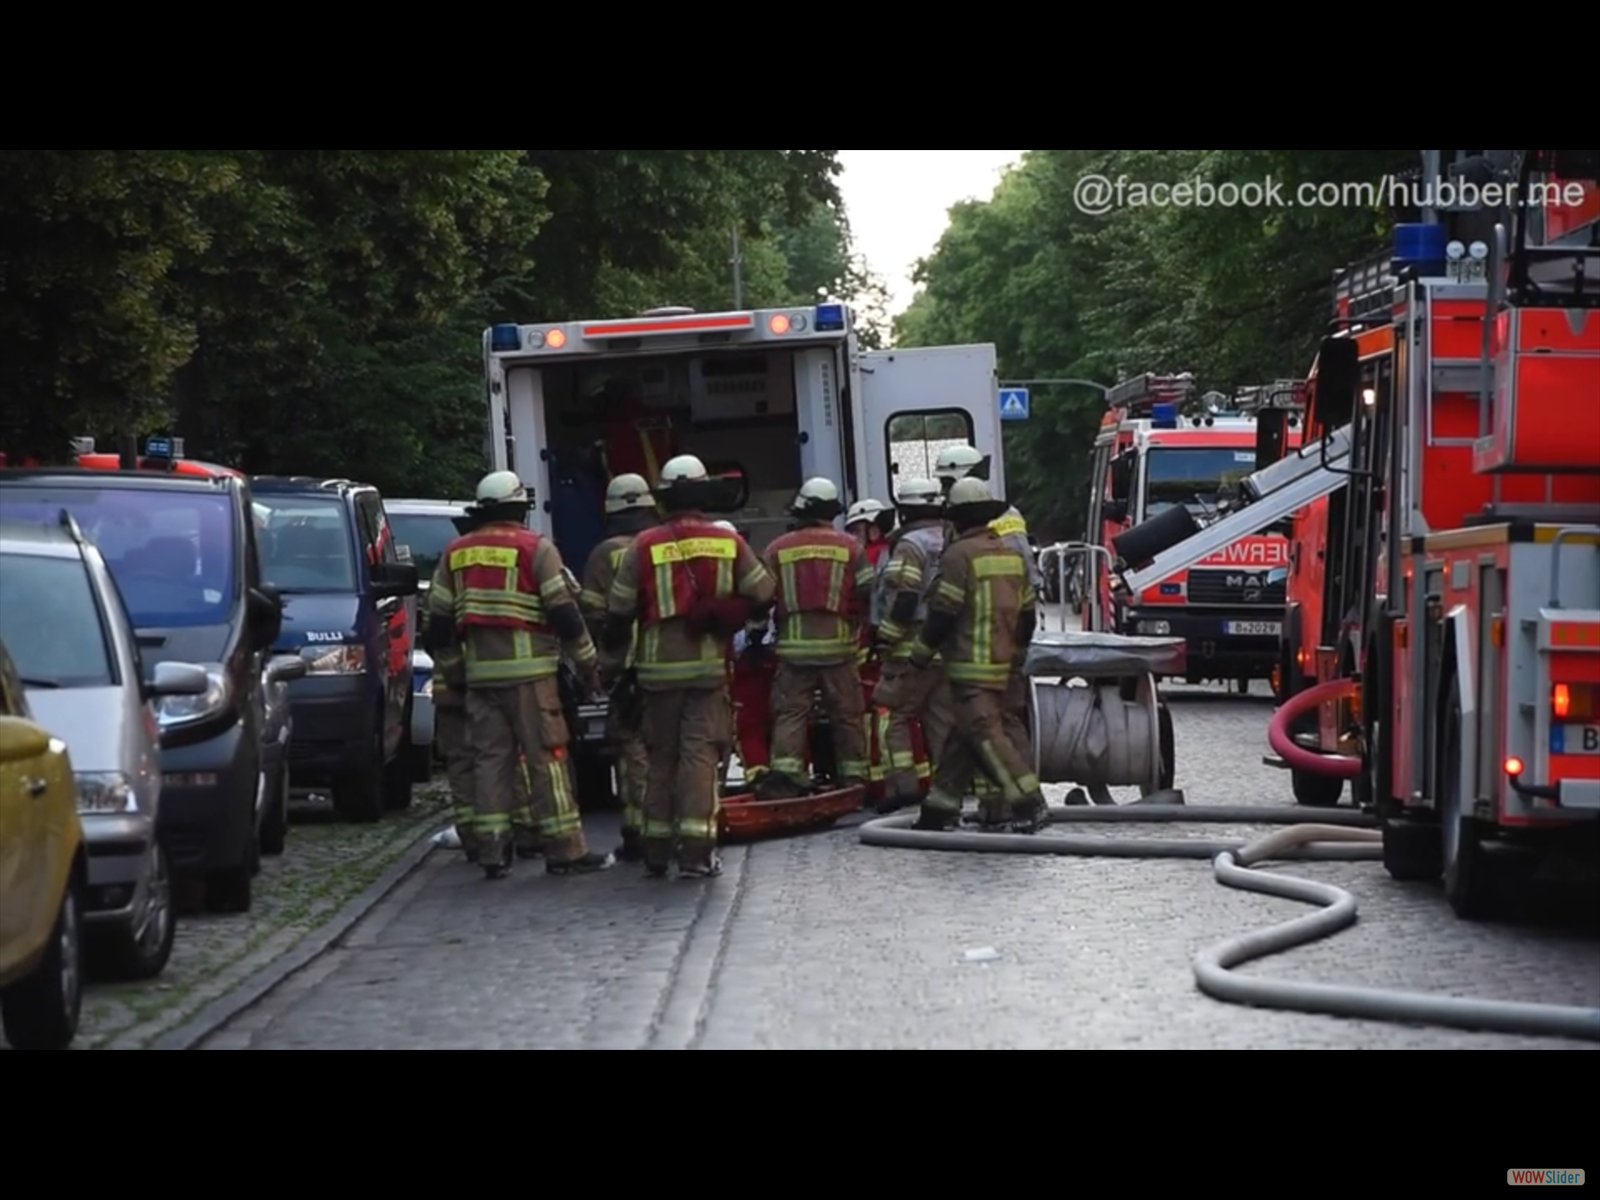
<point x="286" y="667"/>
<point x="1272" y="425"/>
<point x="1338" y="378"/>
<point x="266" y="616"/>
<point x="391" y="580"/>
<point x="176" y="679"/>
<point x="21" y="740"/>
<point x="1114" y="510"/>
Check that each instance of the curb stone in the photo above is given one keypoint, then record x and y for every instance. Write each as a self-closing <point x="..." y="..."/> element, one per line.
<point x="257" y="987"/>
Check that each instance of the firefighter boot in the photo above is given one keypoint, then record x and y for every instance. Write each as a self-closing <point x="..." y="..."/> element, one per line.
<point x="631" y="848"/>
<point x="495" y="856"/>
<point x="1029" y="814"/>
<point x="776" y="785"/>
<point x="940" y="812"/>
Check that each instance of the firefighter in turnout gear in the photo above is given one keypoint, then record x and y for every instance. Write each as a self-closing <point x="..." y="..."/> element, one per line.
<point x="981" y="612"/>
<point x="910" y="697"/>
<point x="630" y="510"/>
<point x="513" y="607"/>
<point x="824" y="585"/>
<point x="964" y="462"/>
<point x="871" y="522"/>
<point x="691" y="587"/>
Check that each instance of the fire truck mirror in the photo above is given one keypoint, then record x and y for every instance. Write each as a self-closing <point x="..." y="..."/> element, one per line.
<point x="1338" y="377"/>
<point x="1271" y="426"/>
<point x="1122" y="476"/>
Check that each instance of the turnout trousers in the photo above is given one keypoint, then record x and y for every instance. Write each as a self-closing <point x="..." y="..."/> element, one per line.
<point x="452" y="732"/>
<point x="525" y="721"/>
<point x="877" y="755"/>
<point x="633" y="769"/>
<point x="687" y="732"/>
<point x="978" y="745"/>
<point x="793" y="691"/>
<point x="911" y="701"/>
<point x="993" y="807"/>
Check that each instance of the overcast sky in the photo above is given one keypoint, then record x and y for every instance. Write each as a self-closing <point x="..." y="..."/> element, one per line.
<point x="897" y="200"/>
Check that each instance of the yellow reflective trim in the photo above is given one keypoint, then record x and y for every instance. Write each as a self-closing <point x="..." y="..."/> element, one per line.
<point x="1007" y="526"/>
<point x="950" y="591"/>
<point x="794" y="554"/>
<point x="990" y="566"/>
<point x="504" y="557"/>
<point x="703" y="547"/>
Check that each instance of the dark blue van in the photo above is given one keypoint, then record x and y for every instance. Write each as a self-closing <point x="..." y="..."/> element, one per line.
<point x="349" y="610"/>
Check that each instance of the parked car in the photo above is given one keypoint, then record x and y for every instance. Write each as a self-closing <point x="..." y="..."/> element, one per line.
<point x="350" y="613"/>
<point x="425" y="528"/>
<point x="276" y="730"/>
<point x="43" y="870"/>
<point x="85" y="682"/>
<point x="182" y="551"/>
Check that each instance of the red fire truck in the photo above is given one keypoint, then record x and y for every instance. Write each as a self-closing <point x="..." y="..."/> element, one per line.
<point x="1165" y="455"/>
<point x="1447" y="589"/>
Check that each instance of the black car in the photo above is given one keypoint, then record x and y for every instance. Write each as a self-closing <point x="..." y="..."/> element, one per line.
<point x="349" y="610"/>
<point x="182" y="550"/>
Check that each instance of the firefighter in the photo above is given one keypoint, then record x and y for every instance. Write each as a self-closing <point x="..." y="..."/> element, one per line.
<point x="513" y="606"/>
<point x="909" y="696"/>
<point x="691" y="587"/>
<point x="630" y="510"/>
<point x="965" y="462"/>
<point x="981" y="611"/>
<point x="824" y="584"/>
<point x="871" y="522"/>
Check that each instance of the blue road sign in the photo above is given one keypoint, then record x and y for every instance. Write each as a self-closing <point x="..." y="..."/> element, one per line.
<point x="1013" y="404"/>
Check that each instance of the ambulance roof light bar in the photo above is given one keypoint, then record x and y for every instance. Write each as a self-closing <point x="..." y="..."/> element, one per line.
<point x="1141" y="394"/>
<point x="829" y="317"/>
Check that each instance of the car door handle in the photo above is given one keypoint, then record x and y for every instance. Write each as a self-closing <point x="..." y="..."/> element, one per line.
<point x="38" y="787"/>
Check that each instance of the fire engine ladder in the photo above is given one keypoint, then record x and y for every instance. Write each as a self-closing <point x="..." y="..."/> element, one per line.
<point x="1286" y="485"/>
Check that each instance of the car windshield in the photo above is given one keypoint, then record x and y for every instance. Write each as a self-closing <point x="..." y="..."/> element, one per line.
<point x="172" y="553"/>
<point x="51" y="623"/>
<point x="1192" y="475"/>
<point x="427" y="534"/>
<point x="305" y="543"/>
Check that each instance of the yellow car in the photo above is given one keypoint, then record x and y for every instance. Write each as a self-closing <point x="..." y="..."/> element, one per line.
<point x="42" y="868"/>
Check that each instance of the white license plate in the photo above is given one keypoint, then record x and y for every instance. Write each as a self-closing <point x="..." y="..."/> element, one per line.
<point x="1253" y="628"/>
<point x="1580" y="739"/>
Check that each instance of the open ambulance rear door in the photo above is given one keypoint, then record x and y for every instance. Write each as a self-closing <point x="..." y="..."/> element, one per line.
<point x="913" y="403"/>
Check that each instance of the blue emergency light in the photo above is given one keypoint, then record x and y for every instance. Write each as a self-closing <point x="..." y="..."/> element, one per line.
<point x="505" y="338"/>
<point x="1163" y="416"/>
<point x="830" y="318"/>
<point x="159" y="447"/>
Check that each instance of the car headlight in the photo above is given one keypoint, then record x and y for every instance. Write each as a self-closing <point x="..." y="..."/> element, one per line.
<point x="180" y="710"/>
<point x="106" y="792"/>
<point x="335" y="660"/>
<point x="1154" y="628"/>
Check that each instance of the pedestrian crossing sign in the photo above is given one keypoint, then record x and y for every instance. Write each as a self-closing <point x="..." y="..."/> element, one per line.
<point x="1013" y="404"/>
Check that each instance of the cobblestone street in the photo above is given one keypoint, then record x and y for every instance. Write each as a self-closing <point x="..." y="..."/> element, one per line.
<point x="325" y="866"/>
<point x="820" y="942"/>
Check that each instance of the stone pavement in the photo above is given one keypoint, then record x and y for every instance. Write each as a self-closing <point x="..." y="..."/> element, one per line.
<point x="819" y="942"/>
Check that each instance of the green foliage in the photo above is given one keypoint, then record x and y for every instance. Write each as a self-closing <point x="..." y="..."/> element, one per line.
<point x="322" y="312"/>
<point x="1237" y="295"/>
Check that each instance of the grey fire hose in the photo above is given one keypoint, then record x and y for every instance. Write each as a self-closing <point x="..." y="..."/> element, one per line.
<point x="1341" y="835"/>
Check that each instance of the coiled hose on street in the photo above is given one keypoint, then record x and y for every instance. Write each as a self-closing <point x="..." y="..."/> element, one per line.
<point x="1340" y="835"/>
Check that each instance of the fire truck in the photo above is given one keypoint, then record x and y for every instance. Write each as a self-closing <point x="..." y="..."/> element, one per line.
<point x="1450" y="491"/>
<point x="766" y="398"/>
<point x="1168" y="457"/>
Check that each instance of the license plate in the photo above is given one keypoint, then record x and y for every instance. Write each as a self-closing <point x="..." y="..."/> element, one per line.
<point x="1576" y="739"/>
<point x="1252" y="628"/>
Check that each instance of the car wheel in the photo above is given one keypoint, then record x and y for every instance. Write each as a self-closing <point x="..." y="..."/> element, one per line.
<point x="275" y="817"/>
<point x="42" y="1011"/>
<point x="421" y="763"/>
<point x="358" y="796"/>
<point x="232" y="890"/>
<point x="141" y="948"/>
<point x="397" y="775"/>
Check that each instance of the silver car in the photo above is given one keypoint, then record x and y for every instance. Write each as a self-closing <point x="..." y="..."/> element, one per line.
<point x="74" y="648"/>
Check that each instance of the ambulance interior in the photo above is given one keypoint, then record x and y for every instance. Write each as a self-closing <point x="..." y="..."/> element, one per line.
<point x="734" y="409"/>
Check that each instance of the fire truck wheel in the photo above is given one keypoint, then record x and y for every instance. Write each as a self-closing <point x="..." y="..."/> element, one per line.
<point x="1469" y="882"/>
<point x="1316" y="791"/>
<point x="1412" y="851"/>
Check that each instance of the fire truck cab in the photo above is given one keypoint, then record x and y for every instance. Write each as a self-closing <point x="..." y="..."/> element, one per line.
<point x="1167" y="457"/>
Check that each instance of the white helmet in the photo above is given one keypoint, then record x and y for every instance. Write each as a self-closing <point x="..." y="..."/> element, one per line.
<point x="728" y="525"/>
<point x="969" y="491"/>
<point x="957" y="462"/>
<point x="865" y="510"/>
<point x="686" y="468"/>
<point x="628" y="492"/>
<point x="817" y="499"/>
<point x="919" y="493"/>
<point x="502" y="487"/>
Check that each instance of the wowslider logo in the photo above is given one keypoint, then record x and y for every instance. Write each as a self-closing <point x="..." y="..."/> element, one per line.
<point x="1546" y="1178"/>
